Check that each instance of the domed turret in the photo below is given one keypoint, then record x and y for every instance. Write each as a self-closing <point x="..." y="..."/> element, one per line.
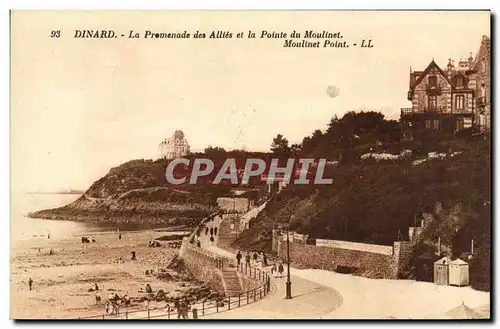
<point x="178" y="134"/>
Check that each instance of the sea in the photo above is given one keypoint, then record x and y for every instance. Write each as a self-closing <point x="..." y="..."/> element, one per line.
<point x="23" y="228"/>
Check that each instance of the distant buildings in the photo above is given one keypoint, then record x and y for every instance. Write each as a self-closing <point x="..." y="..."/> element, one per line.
<point x="175" y="147"/>
<point x="450" y="99"/>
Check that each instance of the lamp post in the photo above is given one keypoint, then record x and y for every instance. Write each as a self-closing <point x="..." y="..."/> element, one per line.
<point x="288" y="282"/>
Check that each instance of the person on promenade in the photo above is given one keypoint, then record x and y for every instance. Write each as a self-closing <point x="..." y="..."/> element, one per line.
<point x="206" y="230"/>
<point x="215" y="230"/>
<point x="119" y="236"/>
<point x="211" y="231"/>
<point x="247" y="259"/>
<point x="238" y="258"/>
<point x="30" y="284"/>
<point x="178" y="308"/>
<point x="281" y="269"/>
<point x="273" y="269"/>
<point x="212" y="240"/>
<point x="268" y="283"/>
<point x="185" y="309"/>
<point x="255" y="257"/>
<point x="264" y="259"/>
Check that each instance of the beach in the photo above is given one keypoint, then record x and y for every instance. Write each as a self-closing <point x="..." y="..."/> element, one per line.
<point x="62" y="280"/>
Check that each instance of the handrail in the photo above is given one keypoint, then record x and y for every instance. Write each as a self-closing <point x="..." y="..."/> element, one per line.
<point x="205" y="308"/>
<point x="249" y="296"/>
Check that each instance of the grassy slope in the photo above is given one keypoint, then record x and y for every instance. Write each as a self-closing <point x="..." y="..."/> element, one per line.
<point x="376" y="203"/>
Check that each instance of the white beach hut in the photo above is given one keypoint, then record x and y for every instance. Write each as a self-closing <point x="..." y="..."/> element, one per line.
<point x="441" y="271"/>
<point x="458" y="273"/>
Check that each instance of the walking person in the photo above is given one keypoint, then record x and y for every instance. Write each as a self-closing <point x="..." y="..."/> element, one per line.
<point x="255" y="257"/>
<point x="30" y="284"/>
<point x="186" y="306"/>
<point x="247" y="259"/>
<point x="178" y="308"/>
<point x="215" y="230"/>
<point x="280" y="269"/>
<point x="212" y="240"/>
<point x="206" y="230"/>
<point x="264" y="259"/>
<point x="238" y="258"/>
<point x="211" y="231"/>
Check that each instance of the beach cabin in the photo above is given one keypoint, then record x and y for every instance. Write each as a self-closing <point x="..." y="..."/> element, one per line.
<point x="441" y="270"/>
<point x="458" y="273"/>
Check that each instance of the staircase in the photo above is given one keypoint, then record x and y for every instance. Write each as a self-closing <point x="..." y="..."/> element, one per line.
<point x="232" y="283"/>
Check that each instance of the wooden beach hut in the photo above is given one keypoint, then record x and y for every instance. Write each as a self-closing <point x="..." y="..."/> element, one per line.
<point x="441" y="271"/>
<point x="458" y="273"/>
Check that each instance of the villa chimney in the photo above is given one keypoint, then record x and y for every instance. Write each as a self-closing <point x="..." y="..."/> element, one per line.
<point x="471" y="59"/>
<point x="439" y="246"/>
<point x="449" y="68"/>
<point x="472" y="247"/>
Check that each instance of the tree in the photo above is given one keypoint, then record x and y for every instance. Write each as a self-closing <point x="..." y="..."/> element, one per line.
<point x="214" y="150"/>
<point x="280" y="146"/>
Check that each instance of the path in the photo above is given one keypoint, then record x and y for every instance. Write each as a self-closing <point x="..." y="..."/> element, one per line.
<point x="303" y="305"/>
<point x="329" y="295"/>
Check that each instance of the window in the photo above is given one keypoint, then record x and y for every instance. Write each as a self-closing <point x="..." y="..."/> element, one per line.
<point x="460" y="124"/>
<point x="483" y="90"/>
<point x="436" y="124"/>
<point x="433" y="81"/>
<point x="432" y="102"/>
<point x="459" y="102"/>
<point x="460" y="81"/>
<point x="427" y="124"/>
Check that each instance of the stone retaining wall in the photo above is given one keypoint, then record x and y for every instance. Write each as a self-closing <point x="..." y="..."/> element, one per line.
<point x="203" y="265"/>
<point x="386" y="262"/>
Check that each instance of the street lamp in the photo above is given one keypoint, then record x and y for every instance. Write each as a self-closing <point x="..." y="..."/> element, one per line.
<point x="288" y="281"/>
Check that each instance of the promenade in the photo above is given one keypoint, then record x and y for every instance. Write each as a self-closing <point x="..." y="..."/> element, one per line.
<point x="320" y="294"/>
<point x="309" y="300"/>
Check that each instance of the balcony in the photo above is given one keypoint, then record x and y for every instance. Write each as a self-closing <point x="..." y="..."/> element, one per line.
<point x="434" y="109"/>
<point x="433" y="90"/>
<point x="406" y="111"/>
<point x="426" y="110"/>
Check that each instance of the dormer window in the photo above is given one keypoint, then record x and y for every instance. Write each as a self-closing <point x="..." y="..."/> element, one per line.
<point x="433" y="81"/>
<point x="460" y="81"/>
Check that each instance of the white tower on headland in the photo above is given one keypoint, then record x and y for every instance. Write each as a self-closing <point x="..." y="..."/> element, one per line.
<point x="175" y="147"/>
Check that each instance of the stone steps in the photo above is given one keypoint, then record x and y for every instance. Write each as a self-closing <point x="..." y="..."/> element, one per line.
<point x="232" y="284"/>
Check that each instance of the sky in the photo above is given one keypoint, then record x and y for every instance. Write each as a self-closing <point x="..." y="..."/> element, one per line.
<point x="82" y="106"/>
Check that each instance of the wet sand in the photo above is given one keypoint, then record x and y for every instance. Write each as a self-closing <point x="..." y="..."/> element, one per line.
<point x="61" y="281"/>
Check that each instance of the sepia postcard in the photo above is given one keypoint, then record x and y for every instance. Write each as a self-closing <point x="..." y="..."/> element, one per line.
<point x="183" y="165"/>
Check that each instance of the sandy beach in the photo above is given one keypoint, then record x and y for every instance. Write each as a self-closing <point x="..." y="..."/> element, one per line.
<point x="61" y="281"/>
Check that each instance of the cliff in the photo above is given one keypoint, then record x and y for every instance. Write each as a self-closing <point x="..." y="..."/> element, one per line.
<point x="136" y="193"/>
